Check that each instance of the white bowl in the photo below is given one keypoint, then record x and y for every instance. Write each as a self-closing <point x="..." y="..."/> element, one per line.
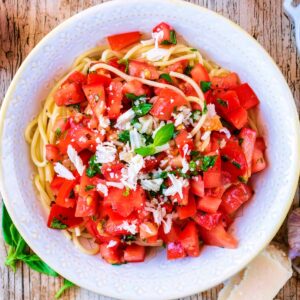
<point x="223" y="42"/>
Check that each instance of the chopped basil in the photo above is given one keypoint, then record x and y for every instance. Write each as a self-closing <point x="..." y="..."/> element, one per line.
<point x="128" y="238"/>
<point x="94" y="167"/>
<point x="236" y="164"/>
<point x="241" y="140"/>
<point x="196" y="114"/>
<point x="208" y="162"/>
<point x="57" y="224"/>
<point x="195" y="154"/>
<point x="192" y="165"/>
<point x="58" y="132"/>
<point x="193" y="49"/>
<point x="74" y="106"/>
<point x="222" y="102"/>
<point x="89" y="187"/>
<point x="126" y="191"/>
<point x="187" y="70"/>
<point x="204" y="111"/>
<point x="167" y="77"/>
<point x="124" y="62"/>
<point x="163" y="175"/>
<point x="173" y="39"/>
<point x="123" y="136"/>
<point x="205" y="86"/>
<point x="142" y="109"/>
<point x="164" y="134"/>
<point x="148" y="138"/>
<point x="134" y="121"/>
<point x="242" y="179"/>
<point x="145" y="151"/>
<point x="67" y="284"/>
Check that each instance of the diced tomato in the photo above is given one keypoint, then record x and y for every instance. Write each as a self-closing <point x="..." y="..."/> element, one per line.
<point x="86" y="206"/>
<point x="147" y="230"/>
<point x="52" y="153"/>
<point x="209" y="204"/>
<point x="227" y="82"/>
<point x="178" y="67"/>
<point x="56" y="184"/>
<point x="165" y="37"/>
<point x="234" y="160"/>
<point x="217" y="236"/>
<point x="258" y="159"/>
<point x="69" y="93"/>
<point x="61" y="125"/>
<point x="225" y="102"/>
<point x="208" y="221"/>
<point x="189" y="210"/>
<point x="238" y="118"/>
<point x="247" y="137"/>
<point x="212" y="177"/>
<point x="260" y="144"/>
<point x="77" y="77"/>
<point x="112" y="256"/>
<point x="114" y="62"/>
<point x="165" y="104"/>
<point x="172" y="235"/>
<point x="134" y="253"/>
<point x="190" y="91"/>
<point x="247" y="97"/>
<point x="234" y="197"/>
<point x="94" y="78"/>
<point x="185" y="143"/>
<point x="152" y="162"/>
<point x="120" y="41"/>
<point x="62" y="217"/>
<point x="143" y="70"/>
<point x="85" y="156"/>
<point x="185" y="193"/>
<point x="199" y="73"/>
<point x="134" y="87"/>
<point x="112" y="171"/>
<point x="197" y="186"/>
<point x="114" y="101"/>
<point x="63" y="197"/>
<point x="96" y="97"/>
<point x="189" y="239"/>
<point x="216" y="139"/>
<point x="175" y="250"/>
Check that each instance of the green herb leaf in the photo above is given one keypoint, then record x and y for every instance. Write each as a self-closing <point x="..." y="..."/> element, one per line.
<point x="134" y="121"/>
<point x="187" y="70"/>
<point x="193" y="49"/>
<point x="196" y="114"/>
<point x="6" y="223"/>
<point x="58" y="132"/>
<point x="192" y="165"/>
<point x="142" y="109"/>
<point x="208" y="162"/>
<point x="124" y="136"/>
<point x="167" y="77"/>
<point x="173" y="38"/>
<point x="204" y="111"/>
<point x="124" y="62"/>
<point x="236" y="164"/>
<point x="163" y="135"/>
<point x="242" y="179"/>
<point x="133" y="97"/>
<point x="163" y="175"/>
<point x="145" y="151"/>
<point x="222" y="102"/>
<point x="89" y="187"/>
<point x="74" y="106"/>
<point x="126" y="192"/>
<point x="205" y="86"/>
<point x="94" y="167"/>
<point x="66" y="285"/>
<point x="57" y="224"/>
<point x="148" y="138"/>
<point x="128" y="238"/>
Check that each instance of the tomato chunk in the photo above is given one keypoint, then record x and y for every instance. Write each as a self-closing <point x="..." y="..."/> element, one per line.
<point x="134" y="87"/>
<point x="229" y="81"/>
<point x="164" y="33"/>
<point x="258" y="159"/>
<point x="175" y="250"/>
<point x="69" y="93"/>
<point x="234" y="197"/>
<point x="208" y="221"/>
<point x="77" y="77"/>
<point x="189" y="210"/>
<point x="189" y="239"/>
<point x="52" y="153"/>
<point x="120" y="41"/>
<point x="143" y="70"/>
<point x="148" y="230"/>
<point x="94" y="78"/>
<point x="197" y="186"/>
<point x="185" y="193"/>
<point x="238" y="118"/>
<point x="185" y="143"/>
<point x="114" y="101"/>
<point x="199" y="73"/>
<point x="63" y="197"/>
<point x="247" y="97"/>
<point x="134" y="253"/>
<point x="112" y="171"/>
<point x="212" y="177"/>
<point x="209" y="204"/>
<point x="112" y="256"/>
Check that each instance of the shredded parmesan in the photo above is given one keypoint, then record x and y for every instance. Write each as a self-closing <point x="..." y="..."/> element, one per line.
<point x="105" y="152"/>
<point x="135" y="139"/>
<point x="226" y="131"/>
<point x="102" y="188"/>
<point x="132" y="228"/>
<point x="63" y="172"/>
<point x="152" y="184"/>
<point x="118" y="185"/>
<point x="156" y="54"/>
<point x="125" y="118"/>
<point x="111" y="244"/>
<point x="211" y="110"/>
<point x="205" y="135"/>
<point x="75" y="159"/>
<point x="176" y="187"/>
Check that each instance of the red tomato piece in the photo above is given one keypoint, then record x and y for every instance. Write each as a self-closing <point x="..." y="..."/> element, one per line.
<point x="112" y="171"/>
<point x="175" y="250"/>
<point x="56" y="184"/>
<point x="217" y="236"/>
<point x="69" y="93"/>
<point x="247" y="137"/>
<point x="185" y="194"/>
<point x="60" y="126"/>
<point x="134" y="253"/>
<point x="112" y="256"/>
<point x="199" y="73"/>
<point x="172" y="235"/>
<point x="227" y="82"/>
<point x="165" y="37"/>
<point x="148" y="230"/>
<point x="134" y="87"/>
<point x="208" y="221"/>
<point x="165" y="104"/>
<point x="258" y="159"/>
<point x="189" y="239"/>
<point x="152" y="162"/>
<point x="189" y="210"/>
<point x="94" y="78"/>
<point x="143" y="70"/>
<point x="62" y="217"/>
<point x="77" y="77"/>
<point x="114" y="101"/>
<point x="212" y="177"/>
<point x="260" y="144"/>
<point x="238" y="118"/>
<point x="226" y="102"/>
<point x="209" y="204"/>
<point x="114" y="62"/>
<point x="178" y="67"/>
<point x="96" y="97"/>
<point x="185" y="143"/>
<point x="234" y="197"/>
<point x="86" y="206"/>
<point x="120" y="41"/>
<point x="190" y="91"/>
<point x="247" y="97"/>
<point x="197" y="186"/>
<point x="63" y="197"/>
<point x="52" y="153"/>
<point x="234" y="160"/>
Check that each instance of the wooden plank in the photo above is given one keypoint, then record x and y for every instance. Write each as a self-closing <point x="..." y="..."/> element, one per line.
<point x="24" y="22"/>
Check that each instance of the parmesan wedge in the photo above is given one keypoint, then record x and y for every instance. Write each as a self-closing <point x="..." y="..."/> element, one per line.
<point x="262" y="279"/>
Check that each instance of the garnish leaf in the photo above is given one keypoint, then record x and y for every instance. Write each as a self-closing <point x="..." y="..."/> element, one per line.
<point x="58" y="132"/>
<point x="89" y="187"/>
<point x="236" y="164"/>
<point x="145" y="151"/>
<point x="205" y="86"/>
<point x="208" y="162"/>
<point x="163" y="135"/>
<point x="173" y="38"/>
<point x="94" y="167"/>
<point x="66" y="285"/>
<point x="187" y="70"/>
<point x="124" y="62"/>
<point x="142" y="109"/>
<point x="166" y="77"/>
<point x="124" y="136"/>
<point x="6" y="223"/>
<point x="222" y="102"/>
<point x="204" y="111"/>
<point x="57" y="224"/>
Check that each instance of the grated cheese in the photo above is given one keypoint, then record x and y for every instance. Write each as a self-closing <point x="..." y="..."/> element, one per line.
<point x="111" y="244"/>
<point x="156" y="54"/>
<point x="132" y="228"/>
<point x="105" y="152"/>
<point x="182" y="116"/>
<point x="152" y="184"/>
<point x="226" y="131"/>
<point x="135" y="139"/>
<point x="118" y="185"/>
<point x="63" y="172"/>
<point x="176" y="187"/>
<point x="102" y="188"/>
<point x="205" y="135"/>
<point x="211" y="110"/>
<point x="75" y="159"/>
<point x="124" y="119"/>
<point x="146" y="123"/>
<point x="104" y="122"/>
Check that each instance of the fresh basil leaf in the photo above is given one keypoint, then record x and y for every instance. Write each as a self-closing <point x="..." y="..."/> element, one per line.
<point x="208" y="162"/>
<point x="193" y="49"/>
<point x="187" y="70"/>
<point x="58" y="224"/>
<point x="16" y="237"/>
<point x="131" y="96"/>
<point x="128" y="238"/>
<point x="204" y="111"/>
<point x="58" y="132"/>
<point x="126" y="192"/>
<point x="236" y="164"/>
<point x="148" y="138"/>
<point x="134" y="121"/>
<point x="124" y="62"/>
<point x="166" y="77"/>
<point x="89" y="187"/>
<point x="164" y="134"/>
<point x="205" y="86"/>
<point x="173" y="38"/>
<point x="145" y="151"/>
<point x="192" y="166"/>
<point x="142" y="109"/>
<point x="66" y="285"/>
<point x="242" y="179"/>
<point x="124" y="136"/>
<point x="222" y="102"/>
<point x="11" y="260"/>
<point x="6" y="223"/>
<point x="94" y="167"/>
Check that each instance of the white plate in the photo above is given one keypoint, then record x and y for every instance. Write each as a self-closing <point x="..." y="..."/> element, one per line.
<point x="222" y="41"/>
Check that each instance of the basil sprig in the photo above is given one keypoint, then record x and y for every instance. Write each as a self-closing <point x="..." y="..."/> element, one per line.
<point x="19" y="251"/>
<point x="94" y="167"/>
<point x="139" y="104"/>
<point x="163" y="135"/>
<point x="66" y="285"/>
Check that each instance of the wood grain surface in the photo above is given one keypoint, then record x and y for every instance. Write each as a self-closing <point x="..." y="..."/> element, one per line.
<point x="24" y="22"/>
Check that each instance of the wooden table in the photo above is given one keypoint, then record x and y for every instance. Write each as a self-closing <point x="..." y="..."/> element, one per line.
<point x="24" y="22"/>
